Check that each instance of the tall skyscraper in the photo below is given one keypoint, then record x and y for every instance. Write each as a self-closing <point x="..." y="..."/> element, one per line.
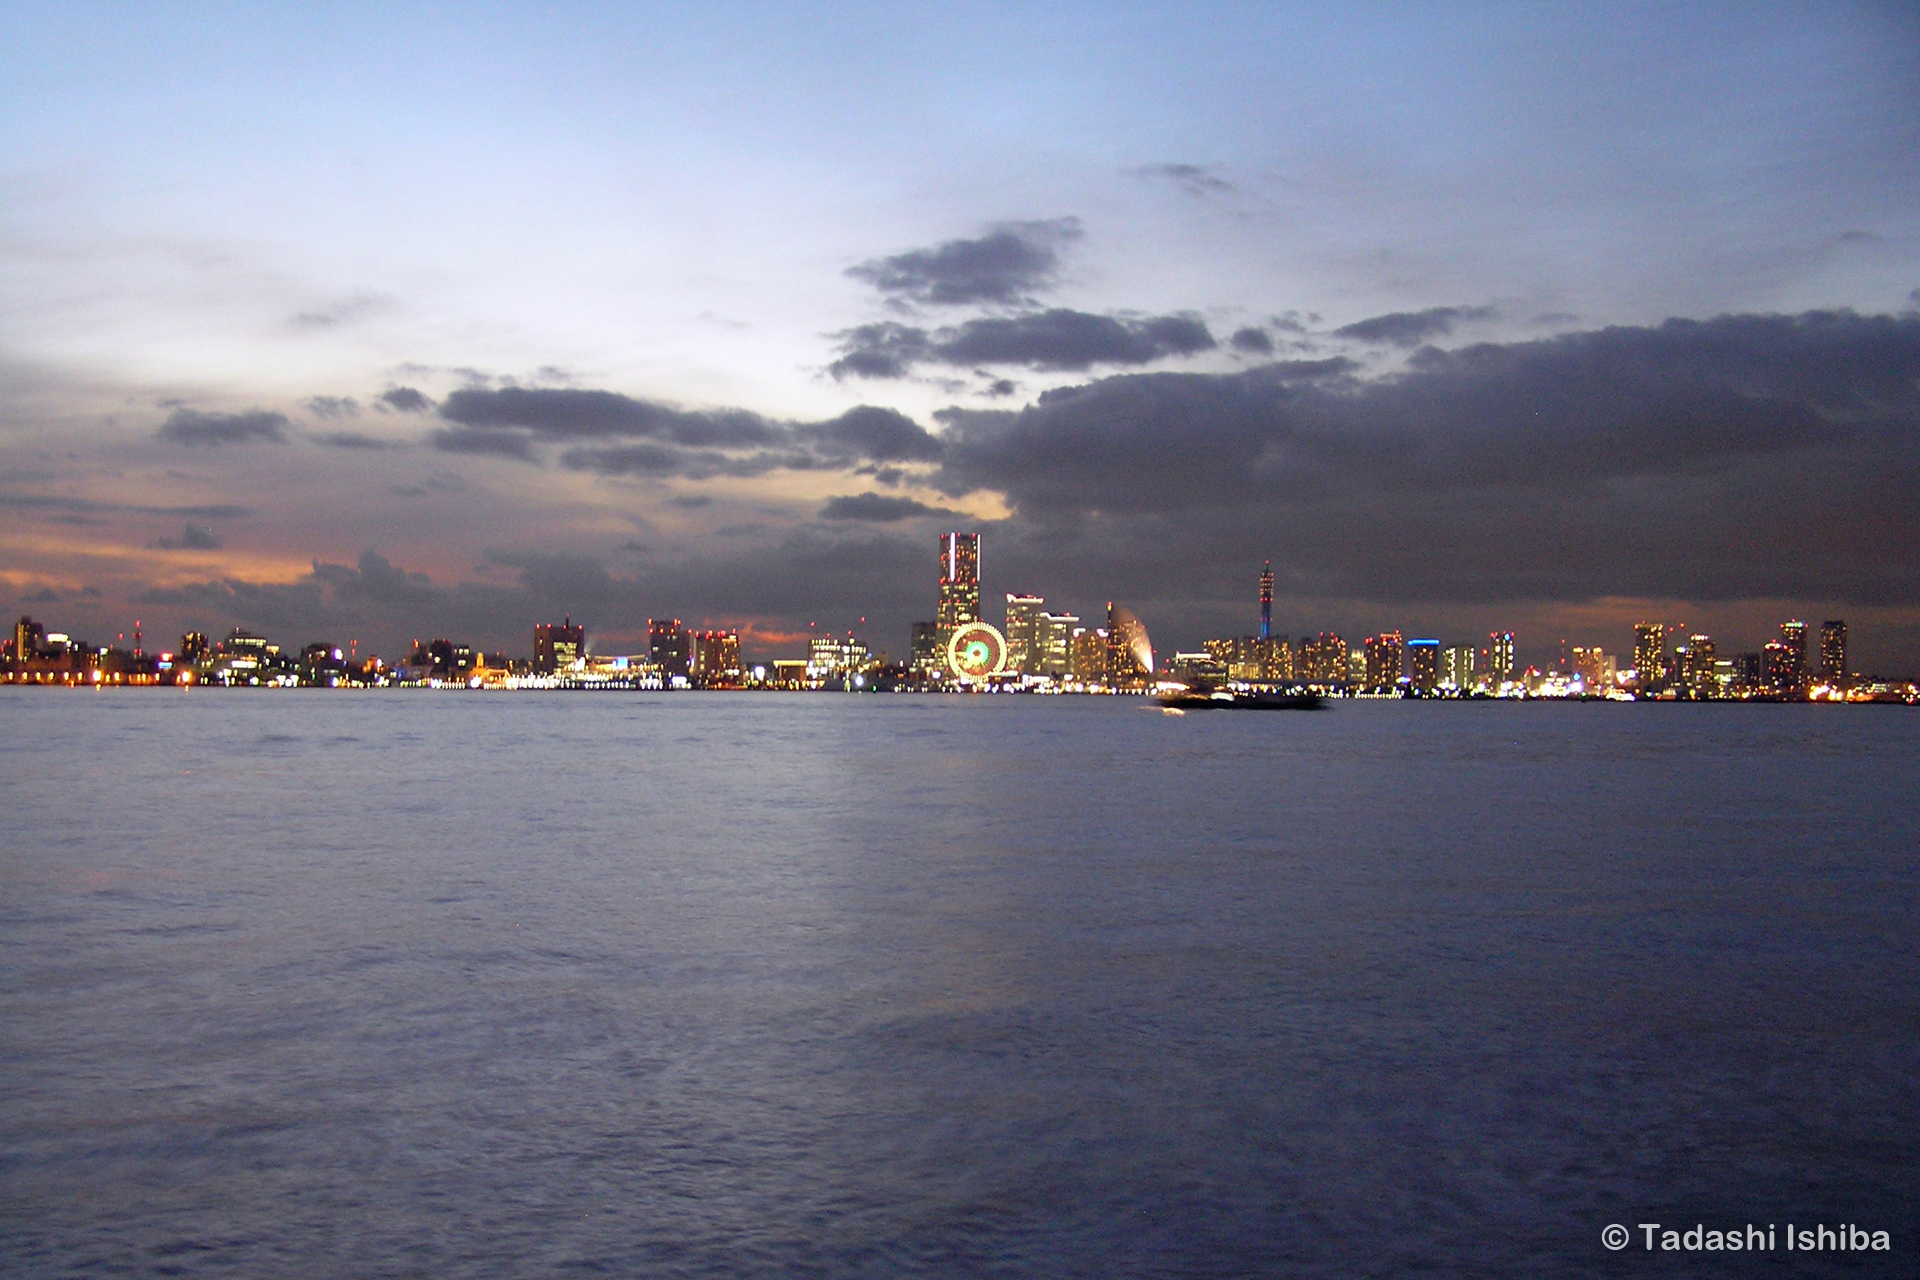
<point x="1022" y="613"/>
<point x="1266" y="601"/>
<point x="927" y="658"/>
<point x="1833" y="652"/>
<point x="1650" y="654"/>
<point x="715" y="657"/>
<point x="1423" y="664"/>
<point x="1129" y="651"/>
<point x="959" y="601"/>
<point x="1456" y="667"/>
<point x="557" y="645"/>
<point x="1793" y="634"/>
<point x="1052" y="651"/>
<point x="1697" y="669"/>
<point x="1500" y="656"/>
<point x="668" y="647"/>
<point x="1385" y="657"/>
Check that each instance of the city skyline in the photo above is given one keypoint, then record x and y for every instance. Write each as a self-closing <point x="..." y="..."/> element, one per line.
<point x="567" y="321"/>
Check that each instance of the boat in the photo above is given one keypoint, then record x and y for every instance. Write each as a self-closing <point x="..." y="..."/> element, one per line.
<point x="1192" y="701"/>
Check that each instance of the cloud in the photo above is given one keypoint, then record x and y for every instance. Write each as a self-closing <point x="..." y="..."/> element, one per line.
<point x="1056" y="339"/>
<point x="345" y="311"/>
<point x="1410" y="328"/>
<point x="878" y="508"/>
<point x="1005" y="266"/>
<point x="351" y="440"/>
<point x="193" y="428"/>
<point x="330" y="407"/>
<point x="866" y="431"/>
<point x="1252" y="341"/>
<point x="555" y="413"/>
<point x="192" y="538"/>
<point x="59" y="502"/>
<point x="485" y="441"/>
<point x="1195" y="180"/>
<point x="405" y="400"/>
<point x="1735" y="458"/>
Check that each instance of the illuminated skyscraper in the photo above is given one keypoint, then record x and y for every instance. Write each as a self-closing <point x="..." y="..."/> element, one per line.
<point x="959" y="601"/>
<point x="1833" y="652"/>
<point x="1793" y="635"/>
<point x="927" y="659"/>
<point x="1266" y="601"/>
<point x="1052" y="651"/>
<point x="1650" y="654"/>
<point x="1385" y="658"/>
<point x="1697" y="668"/>
<point x="1423" y="664"/>
<point x="557" y="645"/>
<point x="715" y="657"/>
<point x="1500" y="656"/>
<point x="668" y="647"/>
<point x="1129" y="651"/>
<point x="1456" y="667"/>
<point x="1022" y="613"/>
<point x="1090" y="655"/>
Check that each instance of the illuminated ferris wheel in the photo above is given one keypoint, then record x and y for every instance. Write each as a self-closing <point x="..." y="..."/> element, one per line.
<point x="976" y="651"/>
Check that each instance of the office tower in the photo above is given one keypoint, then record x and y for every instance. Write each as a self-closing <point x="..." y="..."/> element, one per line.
<point x="1456" y="667"/>
<point x="715" y="657"/>
<point x="28" y="636"/>
<point x="1090" y="655"/>
<point x="1266" y="601"/>
<point x="1593" y="667"/>
<point x="1696" y="670"/>
<point x="1500" y="656"/>
<point x="1779" y="668"/>
<point x="1794" y="635"/>
<point x="1650" y="654"/>
<point x="193" y="647"/>
<point x="1833" y="652"/>
<point x="1385" y="656"/>
<point x="1052" y="651"/>
<point x="667" y="648"/>
<point x="1747" y="671"/>
<point x="557" y="646"/>
<point x="1276" y="658"/>
<point x="1129" y="651"/>
<point x="1322" y="659"/>
<point x="1022" y="612"/>
<point x="1423" y="664"/>
<point x="959" y="601"/>
<point x="927" y="660"/>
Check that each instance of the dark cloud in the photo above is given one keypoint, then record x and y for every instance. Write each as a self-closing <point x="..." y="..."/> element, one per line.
<point x="564" y="413"/>
<point x="191" y="427"/>
<point x="1195" y="180"/>
<point x="1744" y="457"/>
<point x="1005" y="266"/>
<point x="1252" y="341"/>
<point x="331" y="407"/>
<point x="405" y="400"/>
<point x="351" y="440"/>
<point x="192" y="538"/>
<point x="878" y="508"/>
<point x="881" y="435"/>
<point x="1411" y="328"/>
<point x="487" y="441"/>
<point x="59" y="502"/>
<point x="1056" y="339"/>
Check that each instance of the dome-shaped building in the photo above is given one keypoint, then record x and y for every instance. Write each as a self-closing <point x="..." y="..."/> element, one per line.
<point x="1129" y="651"/>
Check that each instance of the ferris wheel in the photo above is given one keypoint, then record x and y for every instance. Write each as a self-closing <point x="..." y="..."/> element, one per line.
<point x="976" y="651"/>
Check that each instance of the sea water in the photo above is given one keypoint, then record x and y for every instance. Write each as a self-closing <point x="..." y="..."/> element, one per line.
<point x="327" y="983"/>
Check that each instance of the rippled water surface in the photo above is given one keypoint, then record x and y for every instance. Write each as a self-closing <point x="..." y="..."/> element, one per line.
<point x="329" y="984"/>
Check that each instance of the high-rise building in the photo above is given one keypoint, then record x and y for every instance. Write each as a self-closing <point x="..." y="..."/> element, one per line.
<point x="1129" y="651"/>
<point x="28" y="636"/>
<point x="1322" y="659"/>
<point x="959" y="601"/>
<point x="1423" y="664"/>
<point x="1022" y="613"/>
<point x="1385" y="656"/>
<point x="668" y="648"/>
<point x="1793" y="634"/>
<point x="1276" y="658"/>
<point x="715" y="657"/>
<point x="1650" y="654"/>
<point x="1500" y="656"/>
<point x="1052" y="650"/>
<point x="193" y="647"/>
<point x="1779" y="667"/>
<point x="1594" y="667"/>
<point x="557" y="645"/>
<point x="1697" y="667"/>
<point x="1266" y="601"/>
<point x="1456" y="667"/>
<point x="928" y="656"/>
<point x="1090" y="655"/>
<point x="1833" y="652"/>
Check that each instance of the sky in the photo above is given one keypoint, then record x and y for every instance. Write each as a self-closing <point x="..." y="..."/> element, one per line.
<point x="377" y="323"/>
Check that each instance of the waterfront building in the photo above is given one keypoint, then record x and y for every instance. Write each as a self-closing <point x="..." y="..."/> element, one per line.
<point x="669" y="648"/>
<point x="28" y="638"/>
<point x="1276" y="658"/>
<point x="1052" y="648"/>
<point x="1650" y="654"/>
<point x="1747" y="671"/>
<point x="1322" y="659"/>
<point x="1793" y="635"/>
<point x="1779" y="667"/>
<point x="1833" y="652"/>
<point x="715" y="658"/>
<point x="1456" y="667"/>
<point x="1129" y="651"/>
<point x="1423" y="664"/>
<point x="959" y="599"/>
<point x="194" y="648"/>
<point x="924" y="653"/>
<point x="1385" y="655"/>
<point x="1023" y="611"/>
<point x="558" y="645"/>
<point x="1595" y="667"/>
<point x="1500" y="657"/>
<point x="1090" y="655"/>
<point x="1266" y="601"/>
<point x="1696" y="663"/>
<point x="832" y="656"/>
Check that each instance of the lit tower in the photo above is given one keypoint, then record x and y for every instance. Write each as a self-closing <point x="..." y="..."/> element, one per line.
<point x="1266" y="601"/>
<point x="1833" y="651"/>
<point x="959" y="601"/>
